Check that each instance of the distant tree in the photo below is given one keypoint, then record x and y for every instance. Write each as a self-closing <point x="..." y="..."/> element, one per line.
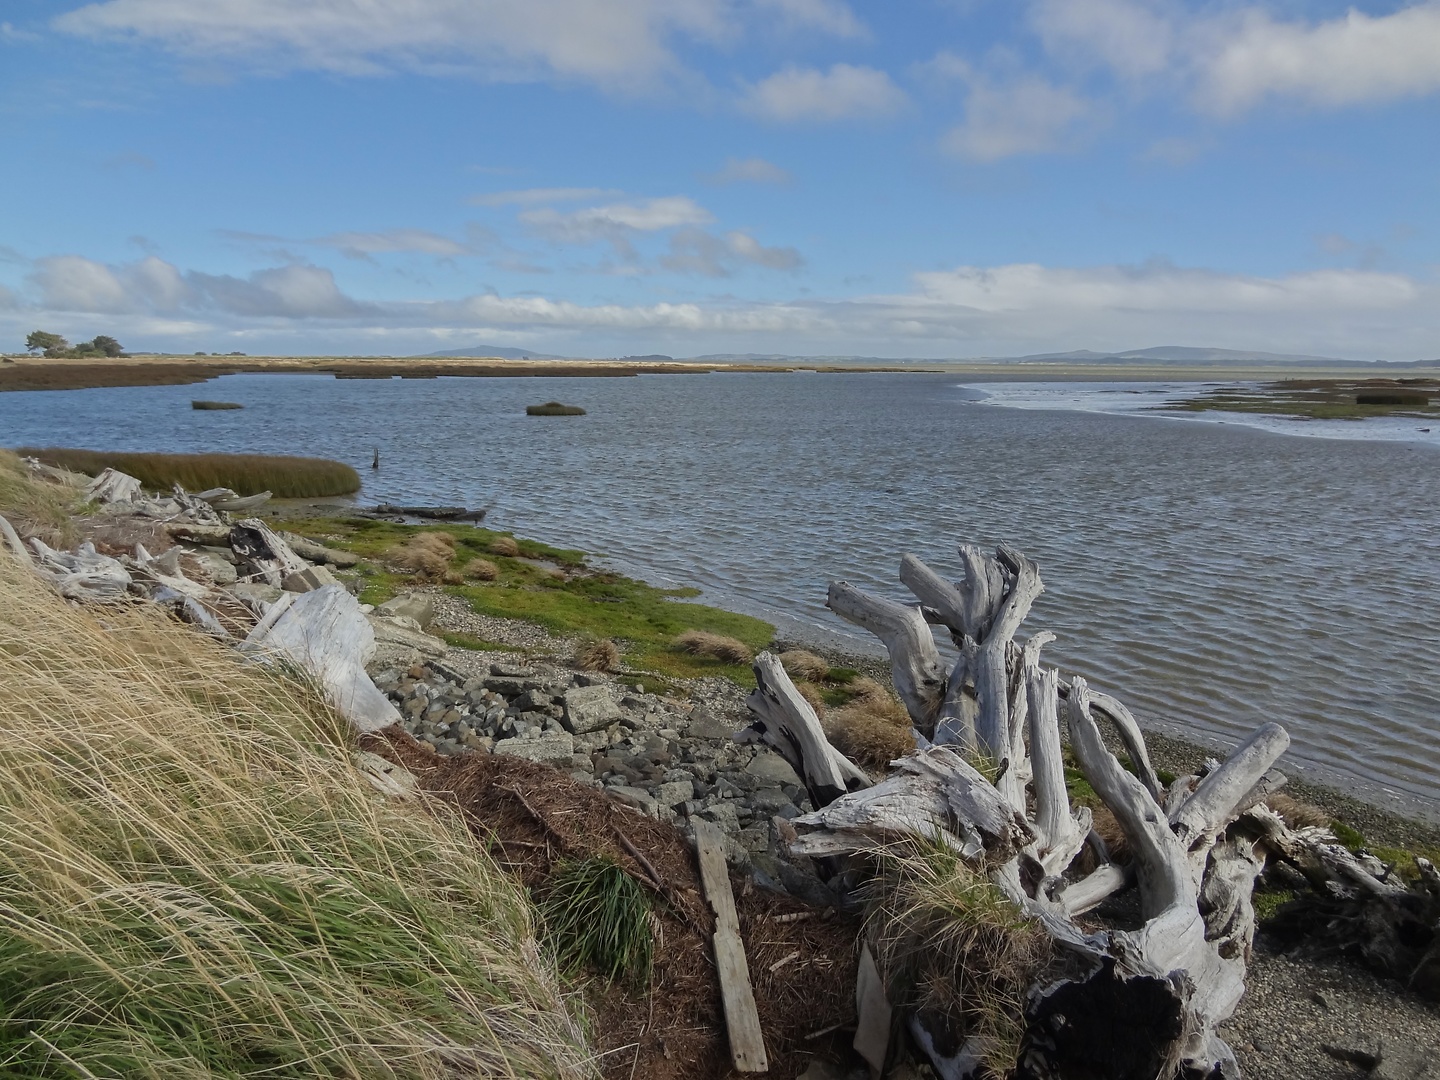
<point x="106" y="345"/>
<point x="49" y="344"/>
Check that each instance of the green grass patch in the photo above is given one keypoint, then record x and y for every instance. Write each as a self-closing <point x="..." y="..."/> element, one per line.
<point x="1348" y="836"/>
<point x="1322" y="399"/>
<point x="1269" y="901"/>
<point x="477" y="644"/>
<point x="595" y="917"/>
<point x="581" y="601"/>
<point x="246" y="474"/>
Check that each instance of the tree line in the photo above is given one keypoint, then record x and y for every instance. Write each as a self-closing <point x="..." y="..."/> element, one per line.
<point x="53" y="345"/>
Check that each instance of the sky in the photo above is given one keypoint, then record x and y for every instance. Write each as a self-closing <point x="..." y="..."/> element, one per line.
<point x="917" y="178"/>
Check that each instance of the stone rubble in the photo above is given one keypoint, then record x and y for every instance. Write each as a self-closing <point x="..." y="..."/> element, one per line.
<point x="671" y="760"/>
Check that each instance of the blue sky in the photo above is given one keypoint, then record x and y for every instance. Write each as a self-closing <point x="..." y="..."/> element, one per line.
<point x="933" y="178"/>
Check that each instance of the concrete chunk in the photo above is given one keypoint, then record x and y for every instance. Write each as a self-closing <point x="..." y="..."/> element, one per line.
<point x="554" y="747"/>
<point x="590" y="708"/>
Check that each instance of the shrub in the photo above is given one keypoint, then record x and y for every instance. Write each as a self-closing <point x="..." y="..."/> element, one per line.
<point x="481" y="570"/>
<point x="425" y="554"/>
<point x="596" y="916"/>
<point x="245" y="474"/>
<point x="597" y="654"/>
<point x="728" y="650"/>
<point x="554" y="408"/>
<point x="872" y="731"/>
<point x="799" y="664"/>
<point x="504" y="545"/>
<point x="195" y="882"/>
<point x="214" y="406"/>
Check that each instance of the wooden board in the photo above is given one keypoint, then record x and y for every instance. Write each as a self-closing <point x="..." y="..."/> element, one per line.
<point x="747" y="1044"/>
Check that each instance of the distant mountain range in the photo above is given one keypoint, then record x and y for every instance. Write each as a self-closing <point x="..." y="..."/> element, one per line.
<point x="1179" y="355"/>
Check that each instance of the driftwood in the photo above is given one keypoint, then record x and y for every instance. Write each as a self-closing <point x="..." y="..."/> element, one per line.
<point x="84" y="574"/>
<point x="12" y="540"/>
<point x="1133" y="1004"/>
<point x="742" y="1020"/>
<point x="262" y="554"/>
<point x="227" y="501"/>
<point x="326" y="635"/>
<point x="113" y="486"/>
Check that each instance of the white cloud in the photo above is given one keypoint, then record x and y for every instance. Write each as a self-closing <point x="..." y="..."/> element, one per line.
<point x="830" y="16"/>
<point x="845" y="92"/>
<point x="1017" y="115"/>
<point x="537" y="196"/>
<point x="1352" y="60"/>
<point x="616" y="221"/>
<point x="74" y="283"/>
<point x="748" y="171"/>
<point x="1132" y="37"/>
<point x="621" y="43"/>
<point x="694" y="251"/>
<point x="964" y="311"/>
<point x="359" y="245"/>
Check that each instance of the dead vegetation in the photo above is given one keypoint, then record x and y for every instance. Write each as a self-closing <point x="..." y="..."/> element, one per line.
<point x="504" y="546"/>
<point x="480" y="570"/>
<point x="804" y="666"/>
<point x="727" y="650"/>
<point x="35" y="508"/>
<point x="427" y="555"/>
<point x="597" y="654"/>
<point x="873" y="728"/>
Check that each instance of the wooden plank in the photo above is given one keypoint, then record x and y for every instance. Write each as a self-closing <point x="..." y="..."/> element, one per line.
<point x="747" y="1044"/>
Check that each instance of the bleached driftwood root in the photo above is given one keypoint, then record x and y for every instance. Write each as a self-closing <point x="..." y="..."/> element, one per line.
<point x="113" y="486"/>
<point x="262" y="554"/>
<point x="1129" y="1004"/>
<point x="326" y="635"/>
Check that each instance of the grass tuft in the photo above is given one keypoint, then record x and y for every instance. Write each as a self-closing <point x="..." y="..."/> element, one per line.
<point x="872" y="729"/>
<point x="245" y="474"/>
<point x="727" y="650"/>
<point x="480" y="570"/>
<point x="196" y="883"/>
<point x="597" y="654"/>
<point x="34" y="507"/>
<point x="596" y="916"/>
<point x="427" y="555"/>
<point x="804" y="666"/>
<point x="505" y="546"/>
<point x="947" y="940"/>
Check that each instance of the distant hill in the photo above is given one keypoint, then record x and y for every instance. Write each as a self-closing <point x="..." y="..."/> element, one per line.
<point x="497" y="351"/>
<point x="1175" y="354"/>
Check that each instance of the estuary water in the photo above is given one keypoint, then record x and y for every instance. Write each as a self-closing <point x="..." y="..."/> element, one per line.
<point x="1213" y="575"/>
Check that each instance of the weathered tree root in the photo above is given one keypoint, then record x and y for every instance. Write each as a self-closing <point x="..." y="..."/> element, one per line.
<point x="988" y="783"/>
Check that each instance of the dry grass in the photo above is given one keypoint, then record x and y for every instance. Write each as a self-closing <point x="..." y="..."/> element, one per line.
<point x="34" y="507"/>
<point x="427" y="555"/>
<point x="246" y="474"/>
<point x="481" y="570"/>
<point x="872" y="729"/>
<point x="504" y="546"/>
<point x="947" y="941"/>
<point x="728" y="650"/>
<point x="804" y="666"/>
<point x="597" y="654"/>
<point x="195" y="883"/>
<point x="866" y="691"/>
<point x="1297" y="814"/>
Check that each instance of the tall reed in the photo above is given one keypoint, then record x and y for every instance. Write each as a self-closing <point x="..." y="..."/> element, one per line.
<point x="247" y="474"/>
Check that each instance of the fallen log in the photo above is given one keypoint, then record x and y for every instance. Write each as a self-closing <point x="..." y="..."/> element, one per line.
<point x="1128" y="1004"/>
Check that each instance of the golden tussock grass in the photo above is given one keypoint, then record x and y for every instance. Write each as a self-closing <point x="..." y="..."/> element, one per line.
<point x="426" y="554"/>
<point x="35" y="507"/>
<point x="728" y="650"/>
<point x="505" y="546"/>
<point x="812" y="698"/>
<point x="196" y="883"/>
<point x="481" y="570"/>
<point x="802" y="665"/>
<point x="599" y="654"/>
<point x="247" y="474"/>
<point x="1298" y="814"/>
<point x="872" y="729"/>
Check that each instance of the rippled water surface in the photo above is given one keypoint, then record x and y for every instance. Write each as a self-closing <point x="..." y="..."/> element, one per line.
<point x="1215" y="576"/>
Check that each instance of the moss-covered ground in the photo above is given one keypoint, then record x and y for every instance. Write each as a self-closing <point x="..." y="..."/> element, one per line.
<point x="556" y="588"/>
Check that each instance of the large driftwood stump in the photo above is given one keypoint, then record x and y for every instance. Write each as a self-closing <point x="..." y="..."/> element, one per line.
<point x="989" y="784"/>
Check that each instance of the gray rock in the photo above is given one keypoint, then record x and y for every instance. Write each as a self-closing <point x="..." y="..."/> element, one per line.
<point x="589" y="708"/>
<point x="553" y="748"/>
<point x="221" y="571"/>
<point x="308" y="580"/>
<point x="1405" y="1061"/>
<point x="723" y="814"/>
<point x="771" y="800"/>
<point x="254" y="593"/>
<point x="392" y="631"/>
<point x="674" y="793"/>
<point x="412" y="605"/>
<point x="511" y="671"/>
<point x="706" y="725"/>
<point x="771" y="769"/>
<point x="633" y="796"/>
